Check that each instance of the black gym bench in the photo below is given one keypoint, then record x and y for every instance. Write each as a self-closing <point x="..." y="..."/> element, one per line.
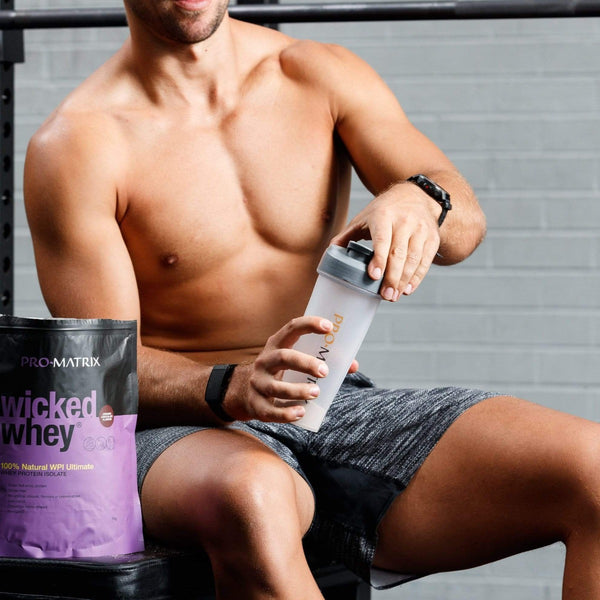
<point x="158" y="573"/>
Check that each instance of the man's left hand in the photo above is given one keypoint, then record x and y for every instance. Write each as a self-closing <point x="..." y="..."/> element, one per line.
<point x="402" y="222"/>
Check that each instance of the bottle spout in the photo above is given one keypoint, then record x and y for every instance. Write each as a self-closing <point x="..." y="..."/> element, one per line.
<point x="359" y="252"/>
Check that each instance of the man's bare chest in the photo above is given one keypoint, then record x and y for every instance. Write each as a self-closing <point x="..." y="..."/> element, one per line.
<point x="202" y="193"/>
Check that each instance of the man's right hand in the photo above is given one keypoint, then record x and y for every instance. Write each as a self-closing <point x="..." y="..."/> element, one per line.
<point x="257" y="390"/>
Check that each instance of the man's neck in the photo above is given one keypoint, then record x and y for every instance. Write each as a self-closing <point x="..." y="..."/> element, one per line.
<point x="204" y="75"/>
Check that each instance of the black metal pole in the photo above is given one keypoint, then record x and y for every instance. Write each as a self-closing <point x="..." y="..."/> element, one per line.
<point x="314" y="13"/>
<point x="250" y="2"/>
<point x="11" y="52"/>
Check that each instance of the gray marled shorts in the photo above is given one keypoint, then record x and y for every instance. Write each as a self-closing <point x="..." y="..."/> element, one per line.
<point x="370" y="445"/>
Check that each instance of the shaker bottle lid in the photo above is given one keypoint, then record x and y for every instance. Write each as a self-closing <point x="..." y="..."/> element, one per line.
<point x="350" y="265"/>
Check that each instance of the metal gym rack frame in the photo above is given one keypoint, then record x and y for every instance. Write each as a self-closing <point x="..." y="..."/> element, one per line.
<point x="14" y="22"/>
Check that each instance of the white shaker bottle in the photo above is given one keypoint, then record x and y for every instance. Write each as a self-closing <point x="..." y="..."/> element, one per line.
<point x="346" y="295"/>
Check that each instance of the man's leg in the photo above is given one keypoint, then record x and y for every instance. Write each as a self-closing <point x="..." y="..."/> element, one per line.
<point x="246" y="507"/>
<point x="506" y="477"/>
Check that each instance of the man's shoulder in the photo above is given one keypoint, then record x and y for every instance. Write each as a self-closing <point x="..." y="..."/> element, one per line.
<point x="78" y="147"/>
<point x="315" y="61"/>
<point x="86" y="115"/>
<point x="78" y="127"/>
<point x="74" y="124"/>
<point x="304" y="60"/>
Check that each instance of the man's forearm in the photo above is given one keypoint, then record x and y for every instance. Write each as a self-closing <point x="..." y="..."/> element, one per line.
<point x="172" y="387"/>
<point x="172" y="390"/>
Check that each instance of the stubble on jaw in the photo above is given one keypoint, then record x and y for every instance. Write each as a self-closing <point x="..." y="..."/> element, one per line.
<point x="168" y="21"/>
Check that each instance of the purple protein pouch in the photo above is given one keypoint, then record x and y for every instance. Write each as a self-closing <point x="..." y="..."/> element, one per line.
<point x="68" y="411"/>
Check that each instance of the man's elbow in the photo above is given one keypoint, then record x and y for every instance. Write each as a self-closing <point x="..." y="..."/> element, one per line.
<point x="465" y="240"/>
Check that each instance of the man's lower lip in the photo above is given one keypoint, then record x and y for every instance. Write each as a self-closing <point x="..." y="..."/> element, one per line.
<point x="191" y="4"/>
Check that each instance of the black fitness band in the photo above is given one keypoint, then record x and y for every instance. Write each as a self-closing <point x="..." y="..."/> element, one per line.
<point x="434" y="191"/>
<point x="216" y="388"/>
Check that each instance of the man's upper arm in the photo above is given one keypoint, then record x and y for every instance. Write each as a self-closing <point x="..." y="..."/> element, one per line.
<point x="385" y="147"/>
<point x="71" y="183"/>
<point x="383" y="144"/>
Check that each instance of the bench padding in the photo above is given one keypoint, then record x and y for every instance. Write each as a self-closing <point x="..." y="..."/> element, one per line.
<point x="155" y="574"/>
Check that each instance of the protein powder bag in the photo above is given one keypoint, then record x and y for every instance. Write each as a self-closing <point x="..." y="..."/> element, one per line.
<point x="68" y="410"/>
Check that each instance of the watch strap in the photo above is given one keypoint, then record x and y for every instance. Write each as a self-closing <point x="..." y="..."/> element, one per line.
<point x="216" y="387"/>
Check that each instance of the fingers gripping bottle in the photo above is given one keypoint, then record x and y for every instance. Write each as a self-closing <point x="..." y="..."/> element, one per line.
<point x="346" y="295"/>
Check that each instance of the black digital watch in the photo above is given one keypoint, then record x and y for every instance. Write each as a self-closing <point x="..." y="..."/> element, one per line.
<point x="434" y="191"/>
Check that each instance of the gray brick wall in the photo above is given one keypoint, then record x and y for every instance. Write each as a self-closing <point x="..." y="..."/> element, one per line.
<point x="516" y="105"/>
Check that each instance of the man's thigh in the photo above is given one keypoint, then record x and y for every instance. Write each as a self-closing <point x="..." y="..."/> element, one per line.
<point x="502" y="480"/>
<point x="192" y="478"/>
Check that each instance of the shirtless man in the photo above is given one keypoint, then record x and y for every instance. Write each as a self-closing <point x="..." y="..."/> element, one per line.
<point x="193" y="183"/>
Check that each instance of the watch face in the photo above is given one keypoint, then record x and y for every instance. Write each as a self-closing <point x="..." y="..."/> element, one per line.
<point x="430" y="189"/>
<point x="440" y="195"/>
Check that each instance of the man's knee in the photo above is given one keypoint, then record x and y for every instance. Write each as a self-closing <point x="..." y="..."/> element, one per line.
<point x="246" y="498"/>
